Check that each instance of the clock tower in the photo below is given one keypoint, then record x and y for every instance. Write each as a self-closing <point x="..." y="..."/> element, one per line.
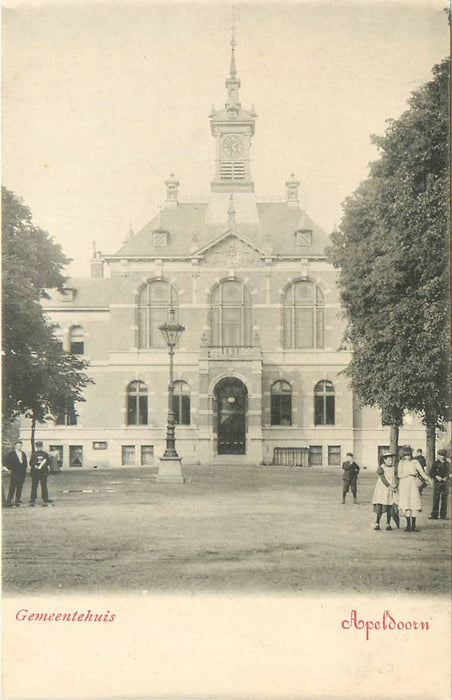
<point x="232" y="129"/>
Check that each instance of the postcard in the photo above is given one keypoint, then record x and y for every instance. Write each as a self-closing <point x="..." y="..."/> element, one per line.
<point x="226" y="437"/>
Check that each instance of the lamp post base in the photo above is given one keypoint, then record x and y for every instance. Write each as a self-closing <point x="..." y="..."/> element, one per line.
<point x="170" y="471"/>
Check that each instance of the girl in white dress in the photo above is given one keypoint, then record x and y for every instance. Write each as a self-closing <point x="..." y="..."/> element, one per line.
<point x="409" y="497"/>
<point x="385" y="495"/>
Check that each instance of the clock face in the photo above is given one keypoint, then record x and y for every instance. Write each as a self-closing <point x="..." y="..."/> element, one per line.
<point x="232" y="145"/>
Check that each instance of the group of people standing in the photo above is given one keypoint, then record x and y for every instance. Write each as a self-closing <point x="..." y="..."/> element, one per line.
<point x="398" y="489"/>
<point x="16" y="463"/>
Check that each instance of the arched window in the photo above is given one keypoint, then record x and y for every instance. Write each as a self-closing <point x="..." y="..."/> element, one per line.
<point x="137" y="403"/>
<point x="230" y="314"/>
<point x="58" y="334"/>
<point x="77" y="341"/>
<point x="324" y="401"/>
<point x="281" y="403"/>
<point x="154" y="302"/>
<point x="304" y="316"/>
<point x="181" y="403"/>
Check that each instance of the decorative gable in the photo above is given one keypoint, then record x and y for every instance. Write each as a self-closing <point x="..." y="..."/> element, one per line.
<point x="232" y="252"/>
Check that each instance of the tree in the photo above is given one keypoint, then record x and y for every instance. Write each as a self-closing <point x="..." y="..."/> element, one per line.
<point x="37" y="374"/>
<point x="392" y="250"/>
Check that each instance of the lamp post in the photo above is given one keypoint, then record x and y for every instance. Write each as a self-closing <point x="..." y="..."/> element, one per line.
<point x="170" y="468"/>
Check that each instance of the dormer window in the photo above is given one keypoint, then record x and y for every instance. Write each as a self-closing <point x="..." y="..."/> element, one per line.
<point x="303" y="238"/>
<point x="160" y="238"/>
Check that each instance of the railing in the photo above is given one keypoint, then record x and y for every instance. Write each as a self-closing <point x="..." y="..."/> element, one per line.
<point x="291" y="456"/>
<point x="230" y="350"/>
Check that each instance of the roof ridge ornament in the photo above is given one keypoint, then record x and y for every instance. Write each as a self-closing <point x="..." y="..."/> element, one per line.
<point x="232" y="223"/>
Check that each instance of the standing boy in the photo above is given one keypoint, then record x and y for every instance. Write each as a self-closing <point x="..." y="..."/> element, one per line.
<point x="350" y="477"/>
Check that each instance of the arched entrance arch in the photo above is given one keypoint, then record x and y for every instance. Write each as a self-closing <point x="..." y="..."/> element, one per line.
<point x="231" y="401"/>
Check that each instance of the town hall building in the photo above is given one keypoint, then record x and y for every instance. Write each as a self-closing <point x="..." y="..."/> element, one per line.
<point x="259" y="368"/>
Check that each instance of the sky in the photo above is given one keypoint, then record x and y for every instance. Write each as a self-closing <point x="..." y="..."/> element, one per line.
<point x="102" y="101"/>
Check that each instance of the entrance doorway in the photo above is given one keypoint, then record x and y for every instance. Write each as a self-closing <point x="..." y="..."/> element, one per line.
<point x="231" y="404"/>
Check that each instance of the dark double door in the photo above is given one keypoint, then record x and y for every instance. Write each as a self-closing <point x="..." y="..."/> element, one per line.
<point x="231" y="405"/>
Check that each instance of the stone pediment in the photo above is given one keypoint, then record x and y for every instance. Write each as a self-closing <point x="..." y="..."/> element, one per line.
<point x="232" y="251"/>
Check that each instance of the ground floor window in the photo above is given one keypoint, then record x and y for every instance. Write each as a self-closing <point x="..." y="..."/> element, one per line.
<point x="281" y="403"/>
<point x="75" y="455"/>
<point x="334" y="455"/>
<point x="181" y="403"/>
<point x="147" y="454"/>
<point x="128" y="454"/>
<point x="315" y="455"/>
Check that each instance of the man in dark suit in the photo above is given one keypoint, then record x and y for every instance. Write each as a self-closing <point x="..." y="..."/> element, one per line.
<point x="350" y="477"/>
<point x="16" y="462"/>
<point x="39" y="470"/>
<point x="440" y="474"/>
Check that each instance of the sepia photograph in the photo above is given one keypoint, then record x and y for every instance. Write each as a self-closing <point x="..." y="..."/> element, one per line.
<point x="226" y="437"/>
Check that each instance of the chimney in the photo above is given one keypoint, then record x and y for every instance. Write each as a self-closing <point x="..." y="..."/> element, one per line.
<point x="172" y="191"/>
<point x="292" y="185"/>
<point x="96" y="263"/>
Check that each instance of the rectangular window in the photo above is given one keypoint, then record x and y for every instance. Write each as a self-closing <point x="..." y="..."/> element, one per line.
<point x="75" y="456"/>
<point x="128" y="455"/>
<point x="77" y="347"/>
<point x="147" y="454"/>
<point x="334" y="455"/>
<point x="315" y="455"/>
<point x="99" y="445"/>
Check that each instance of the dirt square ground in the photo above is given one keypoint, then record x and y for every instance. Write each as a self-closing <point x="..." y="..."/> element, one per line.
<point x="230" y="528"/>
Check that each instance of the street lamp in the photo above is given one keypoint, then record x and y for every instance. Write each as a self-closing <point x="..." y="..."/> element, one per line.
<point x="170" y="470"/>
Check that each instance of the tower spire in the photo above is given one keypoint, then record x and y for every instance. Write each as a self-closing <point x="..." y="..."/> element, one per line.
<point x="232" y="81"/>
<point x="232" y="68"/>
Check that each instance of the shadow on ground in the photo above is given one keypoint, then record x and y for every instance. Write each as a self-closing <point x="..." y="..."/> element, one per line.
<point x="229" y="528"/>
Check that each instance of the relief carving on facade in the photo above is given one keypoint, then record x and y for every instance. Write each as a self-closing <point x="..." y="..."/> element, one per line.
<point x="232" y="253"/>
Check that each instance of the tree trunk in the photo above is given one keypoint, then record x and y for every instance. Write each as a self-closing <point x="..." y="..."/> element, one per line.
<point x="33" y="431"/>
<point x="394" y="441"/>
<point x="430" y="435"/>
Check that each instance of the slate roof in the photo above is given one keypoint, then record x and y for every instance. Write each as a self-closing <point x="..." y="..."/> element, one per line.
<point x="274" y="230"/>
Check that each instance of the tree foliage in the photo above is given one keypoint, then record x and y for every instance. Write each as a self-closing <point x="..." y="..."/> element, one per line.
<point x="392" y="250"/>
<point x="38" y="376"/>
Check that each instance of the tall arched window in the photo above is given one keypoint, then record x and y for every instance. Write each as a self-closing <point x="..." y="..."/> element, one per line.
<point x="77" y="341"/>
<point x="304" y="316"/>
<point x="324" y="403"/>
<point x="154" y="302"/>
<point x="58" y="334"/>
<point x="181" y="403"/>
<point x="230" y="314"/>
<point x="137" y="403"/>
<point x="281" y="403"/>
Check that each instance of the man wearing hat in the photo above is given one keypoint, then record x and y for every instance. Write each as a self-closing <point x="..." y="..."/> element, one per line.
<point x="350" y="477"/>
<point x="16" y="463"/>
<point x="39" y="469"/>
<point x="440" y="473"/>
